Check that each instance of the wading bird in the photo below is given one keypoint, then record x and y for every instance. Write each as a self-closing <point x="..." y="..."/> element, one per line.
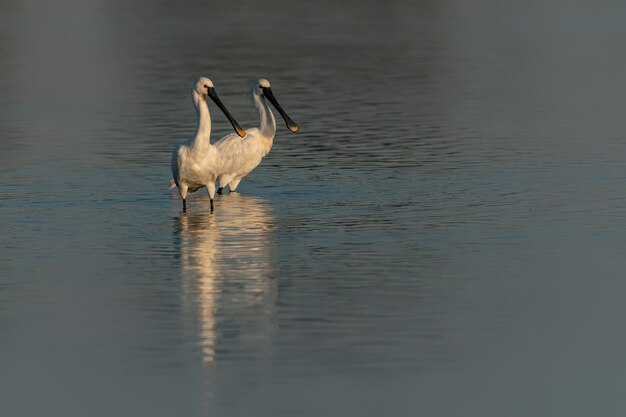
<point x="195" y="163"/>
<point x="242" y="155"/>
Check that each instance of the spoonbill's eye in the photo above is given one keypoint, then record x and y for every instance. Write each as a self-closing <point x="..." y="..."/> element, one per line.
<point x="206" y="86"/>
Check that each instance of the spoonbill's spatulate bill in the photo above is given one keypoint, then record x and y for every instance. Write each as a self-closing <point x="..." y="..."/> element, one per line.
<point x="195" y="163"/>
<point x="247" y="153"/>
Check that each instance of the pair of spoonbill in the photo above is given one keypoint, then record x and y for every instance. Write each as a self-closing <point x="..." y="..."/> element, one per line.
<point x="197" y="163"/>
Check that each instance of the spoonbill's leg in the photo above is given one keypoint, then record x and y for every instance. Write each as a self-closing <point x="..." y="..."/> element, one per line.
<point x="211" y="189"/>
<point x="182" y="188"/>
<point x="234" y="184"/>
<point x="223" y="181"/>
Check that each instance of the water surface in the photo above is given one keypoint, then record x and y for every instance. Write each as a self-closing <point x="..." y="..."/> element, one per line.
<point x="442" y="237"/>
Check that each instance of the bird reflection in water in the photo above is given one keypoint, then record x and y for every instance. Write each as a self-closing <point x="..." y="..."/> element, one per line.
<point x="229" y="288"/>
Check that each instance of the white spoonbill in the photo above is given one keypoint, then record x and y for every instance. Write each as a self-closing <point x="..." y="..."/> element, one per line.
<point x="242" y="155"/>
<point x="195" y="162"/>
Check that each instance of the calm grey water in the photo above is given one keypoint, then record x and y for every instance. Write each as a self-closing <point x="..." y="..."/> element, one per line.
<point x="444" y="236"/>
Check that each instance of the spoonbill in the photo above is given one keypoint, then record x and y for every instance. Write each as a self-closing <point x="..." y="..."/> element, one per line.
<point x="243" y="155"/>
<point x="195" y="163"/>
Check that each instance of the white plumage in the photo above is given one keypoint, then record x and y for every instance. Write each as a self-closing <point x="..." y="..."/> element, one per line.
<point x="196" y="163"/>
<point x="240" y="156"/>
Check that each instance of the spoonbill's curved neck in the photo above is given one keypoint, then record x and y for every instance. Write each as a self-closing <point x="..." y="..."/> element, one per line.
<point x="203" y="132"/>
<point x="268" y="123"/>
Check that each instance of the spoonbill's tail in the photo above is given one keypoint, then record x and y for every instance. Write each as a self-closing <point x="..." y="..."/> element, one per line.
<point x="172" y="184"/>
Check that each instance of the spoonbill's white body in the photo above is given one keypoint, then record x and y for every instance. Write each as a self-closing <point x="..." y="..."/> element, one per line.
<point x="196" y="163"/>
<point x="240" y="156"/>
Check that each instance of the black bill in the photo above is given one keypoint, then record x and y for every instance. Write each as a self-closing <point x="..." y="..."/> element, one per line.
<point x="291" y="125"/>
<point x="211" y="92"/>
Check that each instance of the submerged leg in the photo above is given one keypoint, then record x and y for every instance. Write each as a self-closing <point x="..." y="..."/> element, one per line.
<point x="234" y="184"/>
<point x="223" y="181"/>
<point x="182" y="189"/>
<point x="211" y="189"/>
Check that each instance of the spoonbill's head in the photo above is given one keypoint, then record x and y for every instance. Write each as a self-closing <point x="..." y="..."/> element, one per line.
<point x="259" y="85"/>
<point x="262" y="87"/>
<point x="201" y="86"/>
<point x="205" y="88"/>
